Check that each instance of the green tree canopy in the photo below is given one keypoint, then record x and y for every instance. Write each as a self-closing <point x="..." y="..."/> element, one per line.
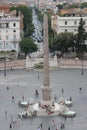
<point x="27" y="46"/>
<point x="72" y="6"/>
<point x="60" y="6"/>
<point x="83" y="5"/>
<point x="63" y="42"/>
<point x="80" y="37"/>
<point x="27" y="19"/>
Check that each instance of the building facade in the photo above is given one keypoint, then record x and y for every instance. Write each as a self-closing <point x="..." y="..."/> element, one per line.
<point x="9" y="32"/>
<point x="67" y="24"/>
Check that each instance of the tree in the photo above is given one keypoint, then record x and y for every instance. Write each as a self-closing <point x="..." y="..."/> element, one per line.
<point x="83" y="5"/>
<point x="80" y="37"/>
<point x="64" y="42"/>
<point x="27" y="46"/>
<point x="60" y="6"/>
<point x="72" y="6"/>
<point x="27" y="19"/>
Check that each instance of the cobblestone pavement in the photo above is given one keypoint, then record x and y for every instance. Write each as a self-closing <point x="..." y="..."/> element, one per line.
<point x="23" y="83"/>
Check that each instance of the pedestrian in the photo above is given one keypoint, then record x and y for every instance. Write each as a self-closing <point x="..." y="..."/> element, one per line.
<point x="23" y="97"/>
<point x="7" y="87"/>
<point x="65" y="118"/>
<point x="19" y="102"/>
<point x="61" y="125"/>
<point x="41" y="125"/>
<point x="80" y="88"/>
<point x="71" y="118"/>
<point x="6" y="114"/>
<point x="70" y="98"/>
<point x="49" y="128"/>
<point x="53" y="122"/>
<point x="11" y="119"/>
<point x="38" y="76"/>
<point x="62" y="90"/>
<point x="38" y="128"/>
<point x="36" y="91"/>
<point x="55" y="97"/>
<point x="10" y="126"/>
<point x="11" y="68"/>
<point x="13" y="99"/>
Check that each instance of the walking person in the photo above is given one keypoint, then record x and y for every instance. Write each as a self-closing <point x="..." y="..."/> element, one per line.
<point x="23" y="97"/>
<point x="36" y="92"/>
<point x="80" y="89"/>
<point x="38" y="128"/>
<point x="49" y="128"/>
<point x="6" y="113"/>
<point x="55" y="98"/>
<point x="62" y="90"/>
<point x="10" y="126"/>
<point x="53" y="122"/>
<point x="7" y="87"/>
<point x="13" y="99"/>
<point x="70" y="98"/>
<point x="41" y="125"/>
<point x="38" y="76"/>
<point x="65" y="117"/>
<point x="61" y="125"/>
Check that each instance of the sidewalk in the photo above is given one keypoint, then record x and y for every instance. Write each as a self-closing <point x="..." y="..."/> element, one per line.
<point x="70" y="63"/>
<point x="62" y="63"/>
<point x="15" y="64"/>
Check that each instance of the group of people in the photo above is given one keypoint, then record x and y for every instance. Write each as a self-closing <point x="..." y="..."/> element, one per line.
<point x="62" y="126"/>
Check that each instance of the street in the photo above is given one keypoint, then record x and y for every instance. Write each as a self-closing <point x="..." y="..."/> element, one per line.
<point x="22" y="83"/>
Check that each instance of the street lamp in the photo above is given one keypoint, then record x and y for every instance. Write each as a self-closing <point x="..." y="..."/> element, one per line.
<point x="4" y="61"/>
<point x="82" y="65"/>
<point x="82" y="57"/>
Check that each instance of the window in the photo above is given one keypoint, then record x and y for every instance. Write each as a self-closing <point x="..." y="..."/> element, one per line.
<point x="7" y="25"/>
<point x="7" y="45"/>
<point x="0" y="45"/>
<point x="14" y="37"/>
<point x="65" y="22"/>
<point x="14" y="30"/>
<point x="0" y="25"/>
<point x="14" y="24"/>
<point x="75" y="22"/>
<point x="7" y="37"/>
<point x="84" y="22"/>
<point x="65" y="30"/>
<point x="0" y="37"/>
<point x="14" y="45"/>
<point x="75" y="30"/>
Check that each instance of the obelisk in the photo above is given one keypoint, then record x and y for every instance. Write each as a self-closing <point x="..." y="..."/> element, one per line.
<point x="46" y="89"/>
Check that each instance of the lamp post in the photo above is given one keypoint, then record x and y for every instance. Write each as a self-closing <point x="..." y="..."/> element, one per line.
<point x="82" y="65"/>
<point x="82" y="57"/>
<point x="4" y="61"/>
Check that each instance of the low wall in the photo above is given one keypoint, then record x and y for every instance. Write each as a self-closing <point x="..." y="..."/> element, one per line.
<point x="30" y="63"/>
